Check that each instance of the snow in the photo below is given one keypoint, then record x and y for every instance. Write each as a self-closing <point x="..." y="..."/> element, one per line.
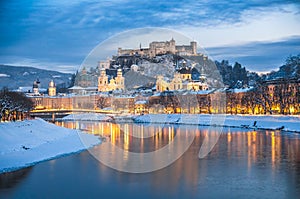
<point x="4" y="75"/>
<point x="24" y="89"/>
<point x="141" y="102"/>
<point x="75" y="88"/>
<point x="87" y="117"/>
<point x="287" y="123"/>
<point x="28" y="142"/>
<point x="242" y="90"/>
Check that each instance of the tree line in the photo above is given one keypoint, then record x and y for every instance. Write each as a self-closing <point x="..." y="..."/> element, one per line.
<point x="14" y="105"/>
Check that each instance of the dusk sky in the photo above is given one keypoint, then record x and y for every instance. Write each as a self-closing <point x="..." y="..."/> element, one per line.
<point x="59" y="34"/>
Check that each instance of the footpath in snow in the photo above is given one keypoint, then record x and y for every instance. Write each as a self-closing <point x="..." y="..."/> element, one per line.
<point x="287" y="123"/>
<point x="28" y="142"/>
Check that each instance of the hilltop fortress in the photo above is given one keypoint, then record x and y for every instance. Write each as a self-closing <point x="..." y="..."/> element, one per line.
<point x="161" y="47"/>
<point x="108" y="75"/>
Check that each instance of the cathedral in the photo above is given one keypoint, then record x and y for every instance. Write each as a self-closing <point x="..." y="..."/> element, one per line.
<point x="182" y="81"/>
<point x="117" y="83"/>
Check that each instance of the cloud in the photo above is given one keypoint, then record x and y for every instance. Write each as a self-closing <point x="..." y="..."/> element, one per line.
<point x="254" y="25"/>
<point x="62" y="31"/>
<point x="258" y="56"/>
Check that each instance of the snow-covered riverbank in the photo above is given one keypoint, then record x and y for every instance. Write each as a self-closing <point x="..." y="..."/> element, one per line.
<point x="275" y="122"/>
<point x="287" y="123"/>
<point x="28" y="142"/>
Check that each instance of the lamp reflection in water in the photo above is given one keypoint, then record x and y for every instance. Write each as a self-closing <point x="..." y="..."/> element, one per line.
<point x="125" y="154"/>
<point x="241" y="152"/>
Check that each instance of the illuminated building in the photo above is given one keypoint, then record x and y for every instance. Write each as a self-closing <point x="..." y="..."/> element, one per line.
<point x="52" y="88"/>
<point x="162" y="47"/>
<point x="123" y="104"/>
<point x="117" y="83"/>
<point x="182" y="81"/>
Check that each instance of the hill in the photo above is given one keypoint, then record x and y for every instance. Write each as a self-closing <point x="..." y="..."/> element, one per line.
<point x="14" y="77"/>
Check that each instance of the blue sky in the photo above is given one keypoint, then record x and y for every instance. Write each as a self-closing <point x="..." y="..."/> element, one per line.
<point x="59" y="34"/>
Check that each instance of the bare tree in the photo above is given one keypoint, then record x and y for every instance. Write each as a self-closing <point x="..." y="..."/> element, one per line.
<point x="169" y="100"/>
<point x="12" y="104"/>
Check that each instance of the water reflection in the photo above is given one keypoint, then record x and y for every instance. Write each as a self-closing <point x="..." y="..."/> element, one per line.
<point x="276" y="154"/>
<point x="243" y="164"/>
<point x="141" y="138"/>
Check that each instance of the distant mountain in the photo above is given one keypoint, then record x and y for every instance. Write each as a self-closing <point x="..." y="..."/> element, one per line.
<point x="14" y="77"/>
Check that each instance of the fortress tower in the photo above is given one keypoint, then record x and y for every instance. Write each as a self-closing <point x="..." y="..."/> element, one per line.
<point x="194" y="47"/>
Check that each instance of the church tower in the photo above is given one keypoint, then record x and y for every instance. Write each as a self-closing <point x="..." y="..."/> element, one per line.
<point x="119" y="80"/>
<point x="52" y="88"/>
<point x="102" y="81"/>
<point x="35" y="87"/>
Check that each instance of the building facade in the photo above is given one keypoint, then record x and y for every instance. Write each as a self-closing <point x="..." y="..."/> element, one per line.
<point x="162" y="47"/>
<point x="182" y="81"/>
<point x="117" y="83"/>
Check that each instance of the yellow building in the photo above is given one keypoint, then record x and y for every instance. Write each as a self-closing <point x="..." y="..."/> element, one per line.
<point x="185" y="73"/>
<point x="161" y="84"/>
<point x="52" y="88"/>
<point x="182" y="81"/>
<point x="176" y="83"/>
<point x="117" y="83"/>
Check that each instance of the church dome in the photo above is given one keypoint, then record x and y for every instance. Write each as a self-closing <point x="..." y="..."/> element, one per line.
<point x="35" y="84"/>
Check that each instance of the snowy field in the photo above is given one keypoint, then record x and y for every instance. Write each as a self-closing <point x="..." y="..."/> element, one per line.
<point x="287" y="123"/>
<point x="28" y="142"/>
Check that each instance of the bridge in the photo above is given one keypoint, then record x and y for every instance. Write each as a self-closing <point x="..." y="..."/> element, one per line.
<point x="51" y="114"/>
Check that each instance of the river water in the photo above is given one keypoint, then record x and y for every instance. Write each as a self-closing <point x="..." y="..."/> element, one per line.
<point x="243" y="164"/>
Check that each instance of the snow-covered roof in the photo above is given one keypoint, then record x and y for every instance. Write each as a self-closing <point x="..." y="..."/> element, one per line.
<point x="123" y="96"/>
<point x="91" y="88"/>
<point x="4" y="75"/>
<point x="156" y="95"/>
<point x="242" y="90"/>
<point x="203" y="92"/>
<point x="141" y="102"/>
<point x="76" y="88"/>
<point x="24" y="89"/>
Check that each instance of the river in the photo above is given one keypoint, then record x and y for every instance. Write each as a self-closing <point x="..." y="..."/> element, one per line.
<point x="243" y="164"/>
